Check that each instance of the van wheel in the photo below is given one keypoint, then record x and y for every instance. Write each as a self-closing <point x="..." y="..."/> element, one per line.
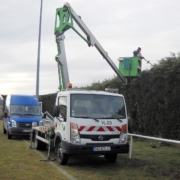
<point x="62" y="157"/>
<point x="110" y="157"/>
<point x="4" y="130"/>
<point x="9" y="136"/>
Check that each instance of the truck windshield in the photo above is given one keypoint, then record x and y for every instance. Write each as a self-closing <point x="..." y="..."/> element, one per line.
<point x="25" y="110"/>
<point x="97" y="106"/>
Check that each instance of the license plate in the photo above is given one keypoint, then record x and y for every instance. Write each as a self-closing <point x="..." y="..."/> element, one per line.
<point x="106" y="148"/>
<point x="26" y="130"/>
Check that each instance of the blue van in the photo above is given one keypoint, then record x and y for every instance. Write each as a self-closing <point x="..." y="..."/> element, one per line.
<point x="19" y="113"/>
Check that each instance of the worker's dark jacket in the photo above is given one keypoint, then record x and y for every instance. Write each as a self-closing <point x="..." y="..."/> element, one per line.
<point x="135" y="53"/>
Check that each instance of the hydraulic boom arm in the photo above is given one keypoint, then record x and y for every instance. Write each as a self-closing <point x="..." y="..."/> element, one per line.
<point x="64" y="21"/>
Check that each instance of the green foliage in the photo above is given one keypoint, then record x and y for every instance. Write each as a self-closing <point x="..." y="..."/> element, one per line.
<point x="48" y="102"/>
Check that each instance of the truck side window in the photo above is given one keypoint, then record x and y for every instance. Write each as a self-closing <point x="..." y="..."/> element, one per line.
<point x="63" y="106"/>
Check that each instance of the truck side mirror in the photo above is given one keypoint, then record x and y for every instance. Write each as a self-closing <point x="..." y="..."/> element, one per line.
<point x="56" y="111"/>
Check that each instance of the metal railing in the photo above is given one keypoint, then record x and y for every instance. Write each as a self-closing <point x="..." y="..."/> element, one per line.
<point x="147" y="137"/>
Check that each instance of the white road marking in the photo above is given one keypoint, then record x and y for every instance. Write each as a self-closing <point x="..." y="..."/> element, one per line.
<point x="53" y="164"/>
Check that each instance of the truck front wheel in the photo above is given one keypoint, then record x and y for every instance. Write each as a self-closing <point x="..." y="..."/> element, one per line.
<point x="61" y="156"/>
<point x="110" y="157"/>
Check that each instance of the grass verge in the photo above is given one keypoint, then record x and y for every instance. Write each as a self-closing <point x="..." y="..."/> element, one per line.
<point x="17" y="162"/>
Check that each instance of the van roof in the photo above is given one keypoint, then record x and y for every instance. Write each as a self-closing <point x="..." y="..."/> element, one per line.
<point x="24" y="100"/>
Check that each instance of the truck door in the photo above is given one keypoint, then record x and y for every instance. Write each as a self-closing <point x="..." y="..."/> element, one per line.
<point x="60" y="121"/>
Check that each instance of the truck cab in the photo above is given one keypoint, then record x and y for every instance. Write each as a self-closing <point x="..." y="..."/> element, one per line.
<point x="90" y="122"/>
<point x="19" y="113"/>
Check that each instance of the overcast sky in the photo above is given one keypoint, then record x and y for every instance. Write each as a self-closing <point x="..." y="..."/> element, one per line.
<point x="120" y="26"/>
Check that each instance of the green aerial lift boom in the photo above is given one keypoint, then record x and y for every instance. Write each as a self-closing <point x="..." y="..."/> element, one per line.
<point x="63" y="22"/>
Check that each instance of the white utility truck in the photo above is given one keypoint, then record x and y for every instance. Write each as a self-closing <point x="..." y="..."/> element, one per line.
<point x="84" y="122"/>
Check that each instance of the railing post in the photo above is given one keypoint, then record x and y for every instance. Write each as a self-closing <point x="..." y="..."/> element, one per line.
<point x="147" y="137"/>
<point x="130" y="150"/>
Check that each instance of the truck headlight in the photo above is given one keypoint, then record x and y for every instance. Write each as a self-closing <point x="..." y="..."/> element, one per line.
<point x="74" y="134"/>
<point x="13" y="123"/>
<point x="123" y="135"/>
<point x="122" y="138"/>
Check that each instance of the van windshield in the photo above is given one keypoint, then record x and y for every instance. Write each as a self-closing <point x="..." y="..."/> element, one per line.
<point x="25" y="110"/>
<point x="97" y="106"/>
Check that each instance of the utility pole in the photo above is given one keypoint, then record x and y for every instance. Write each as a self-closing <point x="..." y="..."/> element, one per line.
<point x="38" y="56"/>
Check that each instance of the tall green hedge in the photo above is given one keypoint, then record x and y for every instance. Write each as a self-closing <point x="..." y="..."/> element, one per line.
<point x="157" y="102"/>
<point x="153" y="100"/>
<point x="48" y="102"/>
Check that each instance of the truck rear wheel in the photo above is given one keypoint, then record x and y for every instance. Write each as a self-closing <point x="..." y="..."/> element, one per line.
<point x="110" y="157"/>
<point x="61" y="156"/>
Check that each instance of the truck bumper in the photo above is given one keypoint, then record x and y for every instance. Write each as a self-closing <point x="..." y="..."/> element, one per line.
<point x="73" y="149"/>
<point x="19" y="131"/>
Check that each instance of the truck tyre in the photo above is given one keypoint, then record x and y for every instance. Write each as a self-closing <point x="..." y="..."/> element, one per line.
<point x="62" y="157"/>
<point x="4" y="130"/>
<point x="110" y="157"/>
<point x="9" y="136"/>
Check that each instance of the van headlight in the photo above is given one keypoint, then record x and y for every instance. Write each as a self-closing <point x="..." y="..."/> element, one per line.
<point x="13" y="122"/>
<point x="34" y="124"/>
<point x="41" y="123"/>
